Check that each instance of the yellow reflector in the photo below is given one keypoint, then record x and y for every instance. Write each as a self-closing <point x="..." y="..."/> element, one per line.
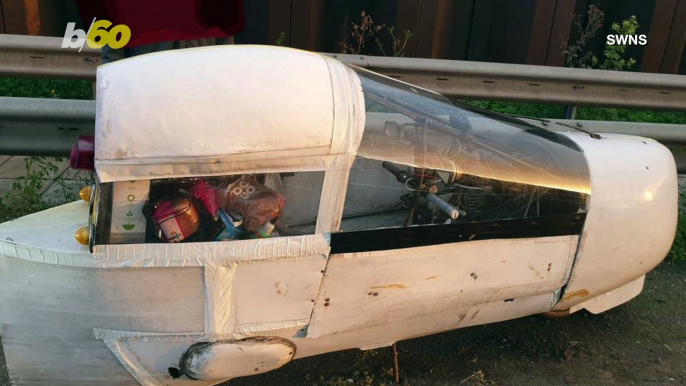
<point x="82" y="235"/>
<point x="85" y="193"/>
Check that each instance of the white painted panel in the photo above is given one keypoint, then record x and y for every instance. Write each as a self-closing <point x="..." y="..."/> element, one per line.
<point x="366" y="289"/>
<point x="632" y="216"/>
<point x="154" y="354"/>
<point x="414" y="326"/>
<point x="51" y="230"/>
<point x="231" y="112"/>
<point x="608" y="300"/>
<point x="275" y="295"/>
<point x="199" y="111"/>
<point x="48" y="312"/>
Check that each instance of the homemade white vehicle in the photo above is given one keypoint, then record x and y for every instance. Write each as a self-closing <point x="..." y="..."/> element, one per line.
<point x="405" y="214"/>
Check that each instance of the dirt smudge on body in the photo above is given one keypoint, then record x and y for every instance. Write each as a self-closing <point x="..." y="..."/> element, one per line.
<point x="538" y="274"/>
<point x="582" y="293"/>
<point x="389" y="286"/>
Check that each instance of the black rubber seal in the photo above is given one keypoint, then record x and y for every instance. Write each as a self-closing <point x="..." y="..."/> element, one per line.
<point x="424" y="235"/>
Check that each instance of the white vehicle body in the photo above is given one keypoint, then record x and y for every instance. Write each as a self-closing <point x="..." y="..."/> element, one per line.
<point x="203" y="312"/>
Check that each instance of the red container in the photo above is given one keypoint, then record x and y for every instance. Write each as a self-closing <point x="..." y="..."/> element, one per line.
<point x="177" y="219"/>
<point x="83" y="153"/>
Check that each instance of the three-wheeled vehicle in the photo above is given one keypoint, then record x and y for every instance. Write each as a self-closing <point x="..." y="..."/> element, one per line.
<point x="256" y="205"/>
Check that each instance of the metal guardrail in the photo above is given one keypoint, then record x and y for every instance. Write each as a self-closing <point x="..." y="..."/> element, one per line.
<point x="533" y="84"/>
<point x="44" y="57"/>
<point x="32" y="56"/>
<point x="672" y="136"/>
<point x="49" y="127"/>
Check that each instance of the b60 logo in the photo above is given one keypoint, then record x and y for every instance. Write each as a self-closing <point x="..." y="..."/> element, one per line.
<point x="100" y="34"/>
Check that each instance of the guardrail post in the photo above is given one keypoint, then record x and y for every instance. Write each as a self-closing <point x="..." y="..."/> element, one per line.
<point x="570" y="112"/>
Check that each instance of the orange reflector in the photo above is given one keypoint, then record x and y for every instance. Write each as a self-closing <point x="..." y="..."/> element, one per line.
<point x="85" y="193"/>
<point x="82" y="235"/>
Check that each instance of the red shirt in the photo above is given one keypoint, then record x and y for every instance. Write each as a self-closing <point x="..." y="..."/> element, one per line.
<point x="155" y="21"/>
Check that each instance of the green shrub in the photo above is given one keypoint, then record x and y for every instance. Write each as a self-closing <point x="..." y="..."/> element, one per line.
<point x="28" y="192"/>
<point x="46" y="88"/>
<point x="612" y="55"/>
<point x="281" y="39"/>
<point x="25" y="196"/>
<point x="551" y="111"/>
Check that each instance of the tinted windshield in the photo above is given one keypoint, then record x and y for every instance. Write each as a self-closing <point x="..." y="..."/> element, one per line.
<point x="420" y="128"/>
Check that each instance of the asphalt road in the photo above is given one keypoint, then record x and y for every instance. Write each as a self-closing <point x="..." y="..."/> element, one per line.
<point x="640" y="343"/>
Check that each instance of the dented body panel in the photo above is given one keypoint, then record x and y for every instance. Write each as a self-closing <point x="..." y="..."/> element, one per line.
<point x="366" y="289"/>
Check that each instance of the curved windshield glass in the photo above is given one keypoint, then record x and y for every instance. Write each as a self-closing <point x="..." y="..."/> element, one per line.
<point x="424" y="160"/>
<point x="416" y="127"/>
